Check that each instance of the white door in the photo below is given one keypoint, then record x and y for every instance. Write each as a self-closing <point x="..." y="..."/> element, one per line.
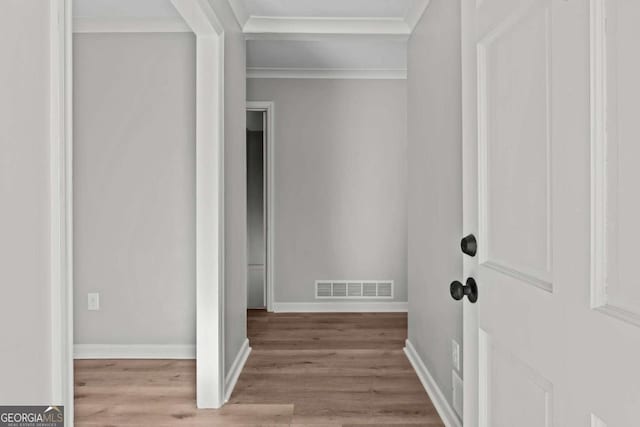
<point x="554" y="339"/>
<point x="604" y="312"/>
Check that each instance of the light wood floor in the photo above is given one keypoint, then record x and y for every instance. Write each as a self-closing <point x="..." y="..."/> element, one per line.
<point x="305" y="369"/>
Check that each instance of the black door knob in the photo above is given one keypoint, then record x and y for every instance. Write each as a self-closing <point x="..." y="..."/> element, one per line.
<point x="458" y="290"/>
<point x="469" y="245"/>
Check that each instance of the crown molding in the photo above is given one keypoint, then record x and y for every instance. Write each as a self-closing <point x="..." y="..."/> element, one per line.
<point x="239" y="11"/>
<point x="325" y="73"/>
<point x="259" y="26"/>
<point x="314" y="37"/>
<point x="199" y="17"/>
<point x="415" y="12"/>
<point x="130" y="25"/>
<point x="312" y="28"/>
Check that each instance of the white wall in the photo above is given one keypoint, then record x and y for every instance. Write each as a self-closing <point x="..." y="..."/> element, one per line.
<point x="25" y="355"/>
<point x="134" y="187"/>
<point x="435" y="187"/>
<point x="340" y="182"/>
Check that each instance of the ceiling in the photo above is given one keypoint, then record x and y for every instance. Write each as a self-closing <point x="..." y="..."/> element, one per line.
<point x="328" y="38"/>
<point x="293" y="38"/>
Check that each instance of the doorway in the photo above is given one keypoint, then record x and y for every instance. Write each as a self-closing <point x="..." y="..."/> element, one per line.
<point x="199" y="165"/>
<point x="259" y="160"/>
<point x="256" y="215"/>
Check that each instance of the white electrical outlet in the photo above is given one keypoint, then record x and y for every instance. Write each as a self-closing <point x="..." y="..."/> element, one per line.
<point x="458" y="389"/>
<point x="93" y="301"/>
<point x="455" y="355"/>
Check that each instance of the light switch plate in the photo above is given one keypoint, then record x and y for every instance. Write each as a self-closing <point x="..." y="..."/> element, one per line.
<point x="455" y="355"/>
<point x="93" y="301"/>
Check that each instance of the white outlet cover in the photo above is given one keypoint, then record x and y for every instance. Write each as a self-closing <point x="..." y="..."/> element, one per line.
<point x="455" y="355"/>
<point x="93" y="301"/>
<point x="458" y="389"/>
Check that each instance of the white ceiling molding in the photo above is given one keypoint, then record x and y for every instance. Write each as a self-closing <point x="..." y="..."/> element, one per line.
<point x="239" y="11"/>
<point x="129" y="25"/>
<point x="314" y="37"/>
<point x="292" y="27"/>
<point x="328" y="8"/>
<point x="415" y="12"/>
<point x="199" y="16"/>
<point x="325" y="73"/>
<point x="307" y="28"/>
<point x="358" y="39"/>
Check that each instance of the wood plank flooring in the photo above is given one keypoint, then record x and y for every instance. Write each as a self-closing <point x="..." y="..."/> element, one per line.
<point x="338" y="369"/>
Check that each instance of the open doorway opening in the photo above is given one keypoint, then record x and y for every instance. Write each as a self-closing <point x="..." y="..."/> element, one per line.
<point x="260" y="195"/>
<point x="257" y="145"/>
<point x="153" y="176"/>
<point x="134" y="216"/>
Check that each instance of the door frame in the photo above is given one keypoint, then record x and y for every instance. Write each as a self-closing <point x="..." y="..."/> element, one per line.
<point x="202" y="20"/>
<point x="210" y="363"/>
<point x="268" y="108"/>
<point x="61" y="204"/>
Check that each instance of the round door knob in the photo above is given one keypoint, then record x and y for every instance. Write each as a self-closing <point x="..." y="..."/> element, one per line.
<point x="458" y="290"/>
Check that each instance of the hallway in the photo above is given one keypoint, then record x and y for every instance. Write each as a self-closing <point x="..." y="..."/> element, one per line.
<point x="338" y="369"/>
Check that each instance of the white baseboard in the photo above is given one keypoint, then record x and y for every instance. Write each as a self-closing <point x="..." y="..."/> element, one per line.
<point x="340" y="307"/>
<point x="445" y="410"/>
<point x="236" y="368"/>
<point x="136" y="351"/>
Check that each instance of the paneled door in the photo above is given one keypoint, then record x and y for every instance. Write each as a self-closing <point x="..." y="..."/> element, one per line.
<point x="551" y="129"/>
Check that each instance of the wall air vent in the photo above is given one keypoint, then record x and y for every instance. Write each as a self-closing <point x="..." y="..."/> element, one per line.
<point x="362" y="289"/>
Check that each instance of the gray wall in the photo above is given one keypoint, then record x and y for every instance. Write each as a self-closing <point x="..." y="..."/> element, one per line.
<point x="25" y="355"/>
<point x="340" y="182"/>
<point x="235" y="183"/>
<point x="435" y="187"/>
<point x="134" y="187"/>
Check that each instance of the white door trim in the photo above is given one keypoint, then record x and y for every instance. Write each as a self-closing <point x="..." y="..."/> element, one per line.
<point x="61" y="205"/>
<point x="210" y="377"/>
<point x="269" y="108"/>
<point x="209" y="202"/>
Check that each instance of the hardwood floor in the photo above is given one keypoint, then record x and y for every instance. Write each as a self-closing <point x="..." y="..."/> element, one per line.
<point x="339" y="369"/>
